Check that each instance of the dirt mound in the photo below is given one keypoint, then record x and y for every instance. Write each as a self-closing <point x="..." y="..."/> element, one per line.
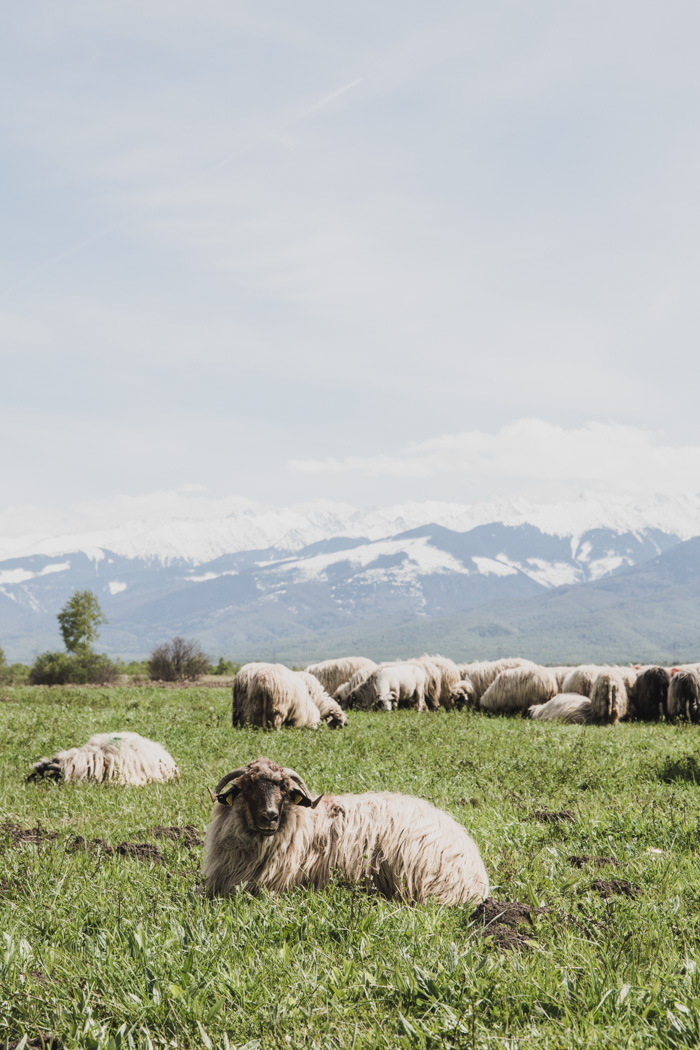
<point x="599" y="862"/>
<point x="508" y="923"/>
<point x="562" y="816"/>
<point x="188" y="834"/>
<point x="35" y="836"/>
<point x="614" y="888"/>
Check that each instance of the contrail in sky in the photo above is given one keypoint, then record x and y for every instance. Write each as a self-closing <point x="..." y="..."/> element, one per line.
<point x="265" y="136"/>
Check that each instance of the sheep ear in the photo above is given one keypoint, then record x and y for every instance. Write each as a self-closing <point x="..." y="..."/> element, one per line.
<point x="226" y="798"/>
<point x="305" y="800"/>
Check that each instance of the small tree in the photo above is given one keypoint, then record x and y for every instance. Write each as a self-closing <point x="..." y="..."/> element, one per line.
<point x="177" y="661"/>
<point x="79" y="619"/>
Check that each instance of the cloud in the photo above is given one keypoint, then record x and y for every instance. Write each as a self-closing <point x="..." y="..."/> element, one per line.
<point x="531" y="456"/>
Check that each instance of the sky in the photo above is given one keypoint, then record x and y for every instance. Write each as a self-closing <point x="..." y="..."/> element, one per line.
<point x="361" y="252"/>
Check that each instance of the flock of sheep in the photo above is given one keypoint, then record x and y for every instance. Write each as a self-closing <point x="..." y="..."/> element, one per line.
<point x="272" y="695"/>
<point x="268" y="831"/>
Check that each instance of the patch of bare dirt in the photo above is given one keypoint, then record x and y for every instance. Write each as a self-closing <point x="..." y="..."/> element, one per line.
<point x="508" y="923"/>
<point x="599" y="862"/>
<point x="614" y="888"/>
<point x="562" y="816"/>
<point x="35" y="836"/>
<point x="187" y="834"/>
<point x="139" y="850"/>
<point x="39" y="1042"/>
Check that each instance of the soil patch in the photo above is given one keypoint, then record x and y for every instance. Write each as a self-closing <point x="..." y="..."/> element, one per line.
<point x="38" y="1042"/>
<point x="139" y="850"/>
<point x="188" y="834"/>
<point x="599" y="862"/>
<point x="614" y="888"/>
<point x="508" y="923"/>
<point x="562" y="816"/>
<point x="19" y="835"/>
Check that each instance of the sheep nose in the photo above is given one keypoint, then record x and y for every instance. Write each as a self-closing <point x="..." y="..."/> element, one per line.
<point x="271" y="816"/>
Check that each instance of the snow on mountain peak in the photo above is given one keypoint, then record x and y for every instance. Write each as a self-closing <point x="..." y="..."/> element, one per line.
<point x="253" y="526"/>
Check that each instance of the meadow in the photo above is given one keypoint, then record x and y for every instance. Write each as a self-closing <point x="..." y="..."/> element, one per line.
<point x="108" y="947"/>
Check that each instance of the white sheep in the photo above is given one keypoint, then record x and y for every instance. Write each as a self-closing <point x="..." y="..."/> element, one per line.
<point x="517" y="688"/>
<point x="395" y="685"/>
<point x="580" y="679"/>
<point x="564" y="707"/>
<point x="342" y="693"/>
<point x="267" y="832"/>
<point x="272" y="695"/>
<point x="126" y="758"/>
<point x="442" y="675"/>
<point x="481" y="673"/>
<point x="608" y="697"/>
<point x="334" y="673"/>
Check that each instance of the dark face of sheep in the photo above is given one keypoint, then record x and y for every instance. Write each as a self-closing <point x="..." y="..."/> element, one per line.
<point x="46" y="768"/>
<point x="268" y="794"/>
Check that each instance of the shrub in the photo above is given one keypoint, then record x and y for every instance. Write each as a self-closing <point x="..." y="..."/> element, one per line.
<point x="225" y="667"/>
<point x="66" y="669"/>
<point x="177" y="661"/>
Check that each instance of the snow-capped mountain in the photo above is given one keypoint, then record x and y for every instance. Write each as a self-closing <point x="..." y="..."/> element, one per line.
<point x="246" y="584"/>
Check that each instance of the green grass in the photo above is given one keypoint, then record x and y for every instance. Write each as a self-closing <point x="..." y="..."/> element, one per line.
<point x="109" y="951"/>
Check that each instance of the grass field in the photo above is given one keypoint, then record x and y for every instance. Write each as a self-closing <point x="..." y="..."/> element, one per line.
<point x="106" y="949"/>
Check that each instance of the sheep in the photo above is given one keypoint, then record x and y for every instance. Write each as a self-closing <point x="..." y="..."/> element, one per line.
<point x="684" y="696"/>
<point x="463" y="694"/>
<point x="395" y="685"/>
<point x="517" y="688"/>
<point x="650" y="694"/>
<point x="267" y="831"/>
<point x="441" y="682"/>
<point x="342" y="693"/>
<point x="126" y="758"/>
<point x="481" y="673"/>
<point x="334" y="673"/>
<point x="272" y="695"/>
<point x="330" y="709"/>
<point x="564" y="707"/>
<point x="580" y="679"/>
<point x="608" y="697"/>
<point x="560" y="673"/>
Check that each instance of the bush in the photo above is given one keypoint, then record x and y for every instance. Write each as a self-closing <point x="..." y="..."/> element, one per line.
<point x="84" y="668"/>
<point x="177" y="661"/>
<point x="225" y="667"/>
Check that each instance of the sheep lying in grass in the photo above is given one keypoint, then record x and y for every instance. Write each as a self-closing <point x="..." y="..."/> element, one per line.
<point x="564" y="707"/>
<point x="518" y="688"/>
<point x="272" y="695"/>
<point x="334" y="673"/>
<point x="125" y="757"/>
<point x="267" y="831"/>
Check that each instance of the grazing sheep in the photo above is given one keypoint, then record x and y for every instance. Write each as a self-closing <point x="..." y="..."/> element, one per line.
<point x="126" y="758"/>
<point x="684" y="697"/>
<point x="438" y="691"/>
<point x="342" y="693"/>
<point x="517" y="688"/>
<point x="463" y="694"/>
<point x="608" y="697"/>
<point x="564" y="707"/>
<point x="267" y="831"/>
<point x="481" y="673"/>
<point x="334" y="673"/>
<point x="272" y="695"/>
<point x="650" y="694"/>
<point x="330" y="709"/>
<point x="396" y="685"/>
<point x="560" y="673"/>
<point x="580" y="679"/>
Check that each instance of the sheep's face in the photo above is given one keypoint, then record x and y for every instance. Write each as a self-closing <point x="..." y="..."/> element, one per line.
<point x="267" y="795"/>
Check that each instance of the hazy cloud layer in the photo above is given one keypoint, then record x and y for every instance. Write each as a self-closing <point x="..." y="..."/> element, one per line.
<point x="241" y="234"/>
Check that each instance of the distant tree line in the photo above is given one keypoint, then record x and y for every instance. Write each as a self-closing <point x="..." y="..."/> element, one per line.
<point x="179" y="660"/>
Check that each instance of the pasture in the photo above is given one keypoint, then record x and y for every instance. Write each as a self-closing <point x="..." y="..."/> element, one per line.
<point x="107" y="941"/>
